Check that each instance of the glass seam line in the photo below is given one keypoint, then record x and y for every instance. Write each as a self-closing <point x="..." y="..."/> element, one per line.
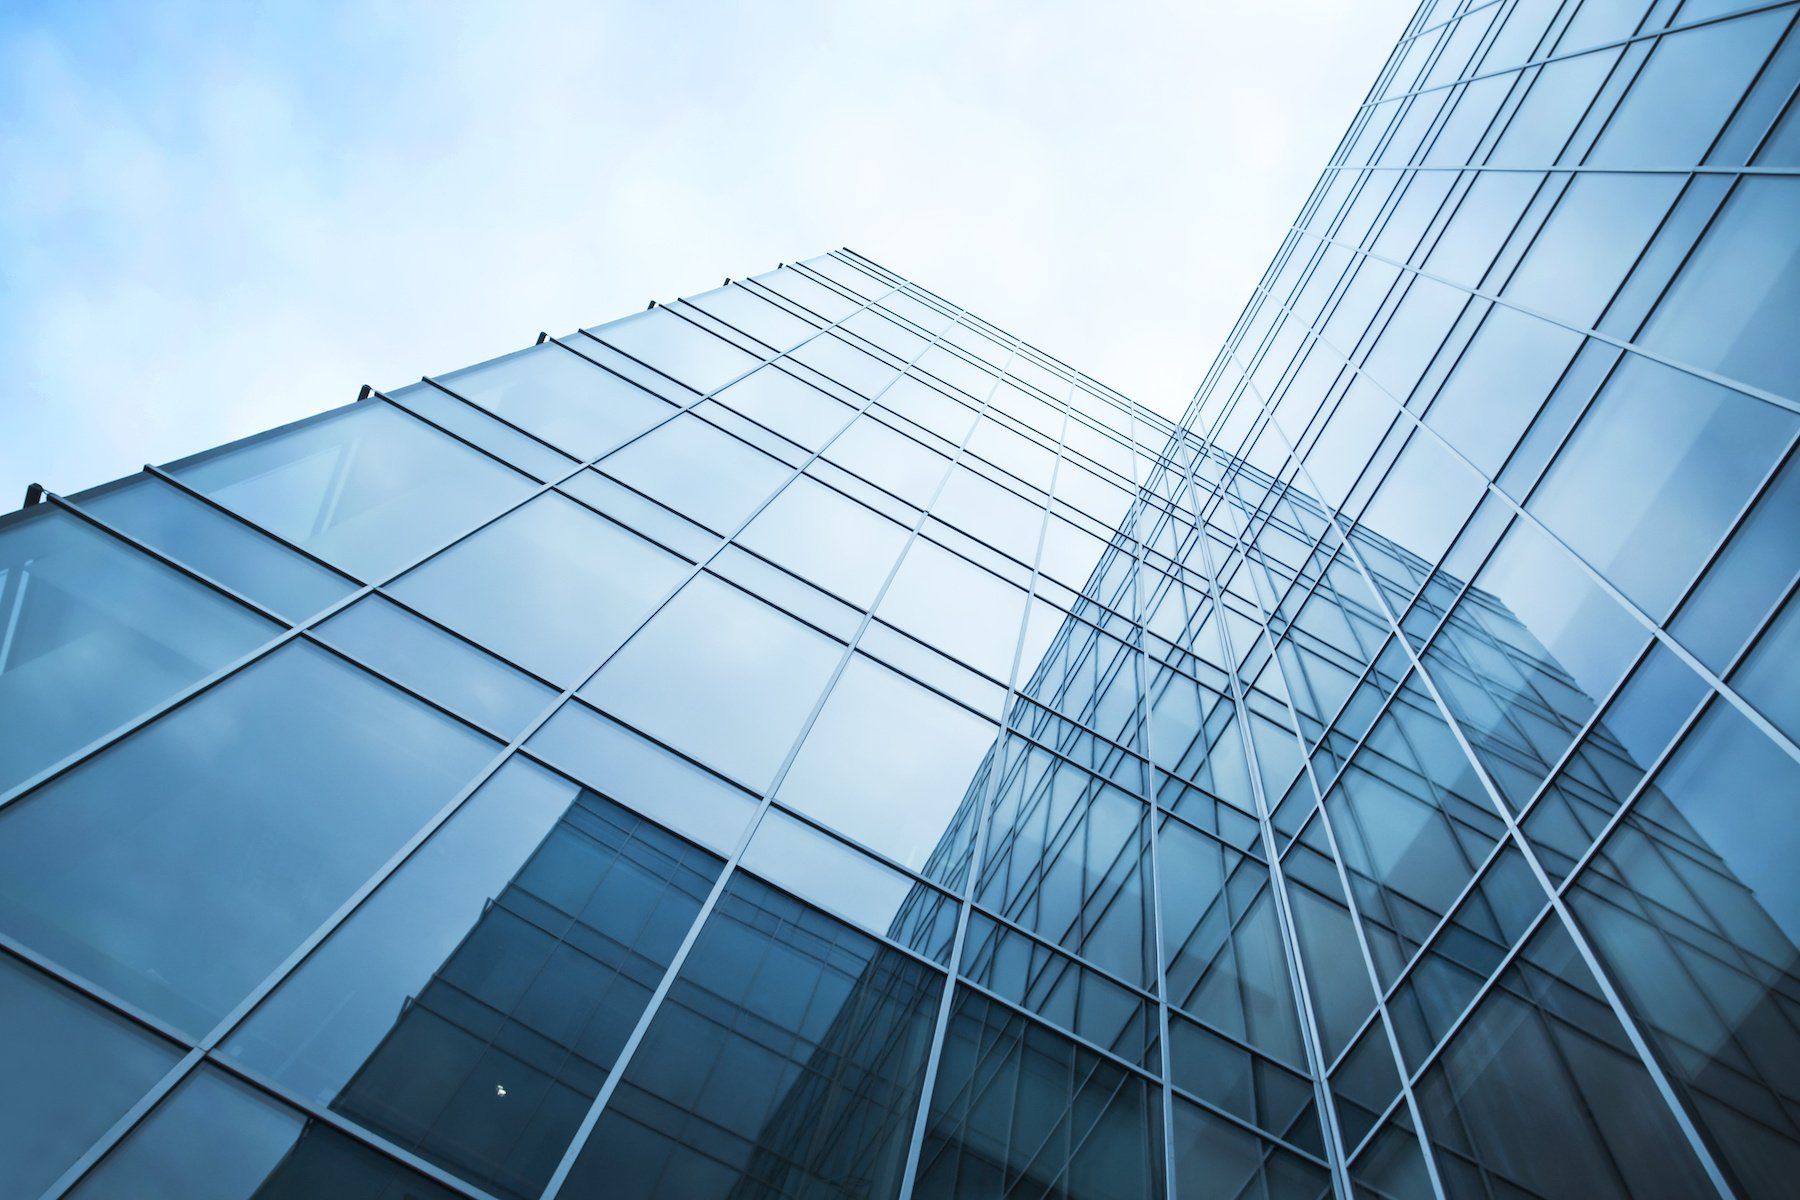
<point x="1675" y="1101"/>
<point x="1519" y="509"/>
<point x="76" y="1171"/>
<point x="1298" y="979"/>
<point x="978" y="848"/>
<point x="77" y="757"/>
<point x="622" y="1060"/>
<point x="1380" y="1013"/>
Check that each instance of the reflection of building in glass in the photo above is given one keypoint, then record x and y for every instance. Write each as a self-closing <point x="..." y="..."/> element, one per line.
<point x="804" y="741"/>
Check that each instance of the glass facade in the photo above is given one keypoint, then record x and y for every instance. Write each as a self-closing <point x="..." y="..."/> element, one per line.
<point x="804" y="741"/>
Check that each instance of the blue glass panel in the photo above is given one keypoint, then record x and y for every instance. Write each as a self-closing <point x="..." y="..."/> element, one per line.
<point x="94" y="633"/>
<point x="187" y="530"/>
<point x="470" y="1009"/>
<point x="455" y="673"/>
<point x="862" y="772"/>
<point x="293" y="781"/>
<point x="367" y="488"/>
<point x="72" y="1069"/>
<point x="786" y="1060"/>
<point x="216" y="1138"/>
<point x="561" y="397"/>
<point x="1735" y="304"/>
<point x="1018" y="1109"/>
<point x="551" y="587"/>
<point x="720" y="676"/>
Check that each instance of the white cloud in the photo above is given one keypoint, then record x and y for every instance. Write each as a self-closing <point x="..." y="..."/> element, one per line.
<point x="221" y="220"/>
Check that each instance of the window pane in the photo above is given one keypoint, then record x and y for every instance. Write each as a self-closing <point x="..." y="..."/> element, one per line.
<point x="1589" y="242"/>
<point x="678" y="348"/>
<point x="466" y="421"/>
<point x="697" y="469"/>
<point x="561" y="397"/>
<point x="786" y="1060"/>
<point x="229" y="551"/>
<point x="827" y="538"/>
<point x="93" y="633"/>
<point x="1540" y="1094"/>
<point x="1216" y="1160"/>
<point x="892" y="765"/>
<point x="1694" y="904"/>
<point x="551" y="587"/>
<point x="1018" y="1109"/>
<point x="72" y="1069"/>
<point x="957" y="607"/>
<point x="797" y="411"/>
<point x="889" y="460"/>
<point x="368" y="488"/>
<point x="470" y="1009"/>
<point x="847" y="883"/>
<point x="1735" y="304"/>
<point x="645" y="777"/>
<point x="720" y="676"/>
<point x="284" y="787"/>
<point x="1654" y="474"/>
<point x="439" y="665"/>
<point x="215" y="1138"/>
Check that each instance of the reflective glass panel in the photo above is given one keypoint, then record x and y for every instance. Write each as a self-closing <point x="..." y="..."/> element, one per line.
<point x="94" y="633"/>
<point x="786" y="1060"/>
<point x="720" y="676"/>
<point x="551" y="587"/>
<point x="561" y="397"/>
<point x="293" y="781"/>
<point x="189" y="531"/>
<point x="368" y="488"/>
<point x="470" y="1009"/>
<point x="72" y="1069"/>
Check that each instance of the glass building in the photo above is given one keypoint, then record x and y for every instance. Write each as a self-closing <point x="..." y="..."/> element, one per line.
<point x="804" y="741"/>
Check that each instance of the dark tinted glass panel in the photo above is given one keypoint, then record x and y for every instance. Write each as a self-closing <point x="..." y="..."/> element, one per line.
<point x="471" y="1009"/>
<point x="1540" y="1093"/>
<point x="73" y="1068"/>
<point x="1693" y="903"/>
<point x="1018" y="1109"/>
<point x="786" y="1061"/>
<point x="216" y="1138"/>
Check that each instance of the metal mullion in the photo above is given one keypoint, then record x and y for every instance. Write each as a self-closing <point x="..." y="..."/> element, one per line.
<point x="187" y="489"/>
<point x="1617" y="343"/>
<point x="1562" y="56"/>
<point x="1302" y="997"/>
<point x="107" y="528"/>
<point x="1152" y="818"/>
<point x="614" y="1076"/>
<point x="983" y="827"/>
<point x="1482" y="168"/>
<point x="373" y="883"/>
<point x="1319" y="813"/>
<point x="1492" y="487"/>
<point x="1675" y="1101"/>
<point x="206" y="682"/>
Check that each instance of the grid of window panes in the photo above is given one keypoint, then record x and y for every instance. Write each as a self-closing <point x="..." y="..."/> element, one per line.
<point x="801" y="740"/>
<point x="1500" y="458"/>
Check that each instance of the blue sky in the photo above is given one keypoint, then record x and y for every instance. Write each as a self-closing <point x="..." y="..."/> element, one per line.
<point x="217" y="218"/>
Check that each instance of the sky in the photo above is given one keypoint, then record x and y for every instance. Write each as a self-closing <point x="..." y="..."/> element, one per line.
<point x="217" y="218"/>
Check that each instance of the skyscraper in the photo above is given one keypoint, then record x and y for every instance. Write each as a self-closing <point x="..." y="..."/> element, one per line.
<point x="804" y="741"/>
